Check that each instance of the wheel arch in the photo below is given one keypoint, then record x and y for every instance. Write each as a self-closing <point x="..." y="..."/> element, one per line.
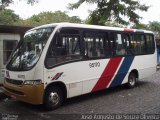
<point x="59" y="84"/>
<point x="135" y="71"/>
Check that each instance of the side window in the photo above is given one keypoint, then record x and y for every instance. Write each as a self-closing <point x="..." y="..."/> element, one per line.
<point x="107" y="45"/>
<point x="94" y="44"/>
<point x="133" y="44"/>
<point x="138" y="45"/>
<point x="150" y="43"/>
<point x="8" y="47"/>
<point x="67" y="45"/>
<point x="120" y="44"/>
<point x="112" y="43"/>
<point x="64" y="47"/>
<point x="127" y="43"/>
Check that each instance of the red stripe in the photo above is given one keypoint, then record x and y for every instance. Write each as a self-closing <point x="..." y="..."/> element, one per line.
<point x="128" y="30"/>
<point x="107" y="74"/>
<point x="57" y="75"/>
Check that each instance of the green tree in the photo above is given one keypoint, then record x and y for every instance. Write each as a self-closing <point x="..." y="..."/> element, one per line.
<point x="155" y="26"/>
<point x="8" y="17"/>
<point x="75" y="19"/>
<point x="49" y="17"/>
<point x="31" y="1"/>
<point x="6" y="3"/>
<point x="141" y="26"/>
<point x="113" y="11"/>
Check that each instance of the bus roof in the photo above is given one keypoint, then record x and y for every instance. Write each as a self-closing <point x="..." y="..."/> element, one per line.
<point x="92" y="27"/>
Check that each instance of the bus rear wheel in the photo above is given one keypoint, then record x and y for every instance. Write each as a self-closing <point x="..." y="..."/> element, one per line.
<point x="53" y="98"/>
<point x="132" y="80"/>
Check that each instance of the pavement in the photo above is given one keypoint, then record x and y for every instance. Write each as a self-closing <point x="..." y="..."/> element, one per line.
<point x="126" y="104"/>
<point x="2" y="95"/>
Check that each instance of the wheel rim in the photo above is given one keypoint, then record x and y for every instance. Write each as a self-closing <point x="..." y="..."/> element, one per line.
<point x="132" y="81"/>
<point x="54" y="98"/>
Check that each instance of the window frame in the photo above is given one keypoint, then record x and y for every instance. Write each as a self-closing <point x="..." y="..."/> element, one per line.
<point x="108" y="37"/>
<point x="145" y="43"/>
<point x="6" y="51"/>
<point x="58" y="34"/>
<point x="153" y="42"/>
<point x="103" y="33"/>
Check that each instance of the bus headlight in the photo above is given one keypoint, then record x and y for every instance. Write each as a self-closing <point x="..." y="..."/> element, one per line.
<point x="32" y="82"/>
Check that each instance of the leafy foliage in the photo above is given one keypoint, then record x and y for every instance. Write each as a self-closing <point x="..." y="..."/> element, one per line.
<point x="155" y="26"/>
<point x="113" y="11"/>
<point x="6" y="3"/>
<point x="31" y="1"/>
<point x="141" y="26"/>
<point x="75" y="19"/>
<point x="49" y="17"/>
<point x="8" y="17"/>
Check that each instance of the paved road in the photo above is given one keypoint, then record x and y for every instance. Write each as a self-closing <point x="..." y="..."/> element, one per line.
<point x="143" y="99"/>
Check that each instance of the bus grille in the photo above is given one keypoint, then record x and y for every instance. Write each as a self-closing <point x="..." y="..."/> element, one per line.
<point x="15" y="82"/>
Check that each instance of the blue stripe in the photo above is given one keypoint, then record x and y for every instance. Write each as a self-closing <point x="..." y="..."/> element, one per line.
<point x="123" y="70"/>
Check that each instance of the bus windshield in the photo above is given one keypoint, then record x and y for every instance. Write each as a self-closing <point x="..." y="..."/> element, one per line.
<point x="29" y="49"/>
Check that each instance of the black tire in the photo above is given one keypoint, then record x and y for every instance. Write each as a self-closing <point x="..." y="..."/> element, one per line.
<point x="53" y="98"/>
<point x="132" y="80"/>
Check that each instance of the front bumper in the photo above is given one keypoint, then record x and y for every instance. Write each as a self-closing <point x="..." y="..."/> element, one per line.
<point x="32" y="94"/>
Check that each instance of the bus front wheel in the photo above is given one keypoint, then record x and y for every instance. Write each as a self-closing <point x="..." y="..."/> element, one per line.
<point x="53" y="98"/>
<point x="132" y="80"/>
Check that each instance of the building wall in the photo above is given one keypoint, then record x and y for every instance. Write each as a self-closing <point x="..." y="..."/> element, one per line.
<point x="4" y="37"/>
